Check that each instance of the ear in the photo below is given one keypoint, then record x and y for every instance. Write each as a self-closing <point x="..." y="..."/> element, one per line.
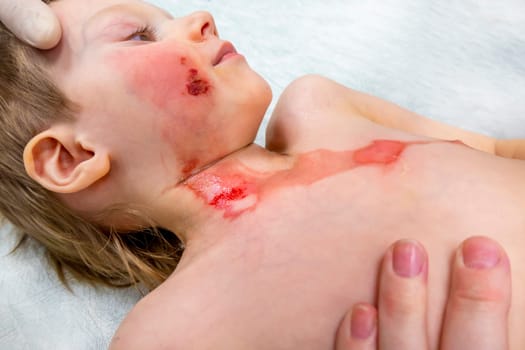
<point x="61" y="163"/>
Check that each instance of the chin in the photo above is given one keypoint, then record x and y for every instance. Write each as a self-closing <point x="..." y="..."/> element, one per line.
<point x="266" y="90"/>
<point x="260" y="95"/>
<point x="256" y="86"/>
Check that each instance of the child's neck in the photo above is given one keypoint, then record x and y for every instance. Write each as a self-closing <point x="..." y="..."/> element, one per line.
<point x="222" y="191"/>
<point x="237" y="184"/>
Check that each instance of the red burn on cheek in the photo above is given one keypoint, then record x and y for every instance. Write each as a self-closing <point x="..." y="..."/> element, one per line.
<point x="153" y="73"/>
<point x="159" y="74"/>
<point x="195" y="85"/>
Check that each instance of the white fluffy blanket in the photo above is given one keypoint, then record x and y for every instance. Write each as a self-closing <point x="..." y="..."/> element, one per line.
<point x="459" y="61"/>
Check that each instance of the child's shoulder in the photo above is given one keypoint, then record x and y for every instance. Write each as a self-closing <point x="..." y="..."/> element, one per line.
<point x="310" y="113"/>
<point x="316" y="112"/>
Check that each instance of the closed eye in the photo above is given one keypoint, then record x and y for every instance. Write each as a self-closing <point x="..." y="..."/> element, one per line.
<point x="145" y="33"/>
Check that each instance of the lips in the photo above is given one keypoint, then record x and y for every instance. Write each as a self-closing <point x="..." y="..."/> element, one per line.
<point x="226" y="50"/>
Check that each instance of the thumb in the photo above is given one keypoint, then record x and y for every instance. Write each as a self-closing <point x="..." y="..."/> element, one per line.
<point x="32" y="21"/>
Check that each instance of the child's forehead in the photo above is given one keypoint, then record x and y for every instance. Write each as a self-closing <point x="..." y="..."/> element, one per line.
<point x="79" y="17"/>
<point x="82" y="11"/>
<point x="81" y="20"/>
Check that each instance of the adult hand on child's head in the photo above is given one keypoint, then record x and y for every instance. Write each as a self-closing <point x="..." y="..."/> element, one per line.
<point x="32" y="21"/>
<point x="476" y="311"/>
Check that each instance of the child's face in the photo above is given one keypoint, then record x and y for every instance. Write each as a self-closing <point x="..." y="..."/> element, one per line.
<point x="157" y="90"/>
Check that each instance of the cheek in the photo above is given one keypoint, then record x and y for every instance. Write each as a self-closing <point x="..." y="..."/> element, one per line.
<point x="162" y="76"/>
<point x="180" y="92"/>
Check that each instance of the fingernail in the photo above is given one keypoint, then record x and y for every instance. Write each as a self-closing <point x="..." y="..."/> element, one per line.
<point x="408" y="258"/>
<point x="363" y="323"/>
<point x="480" y="253"/>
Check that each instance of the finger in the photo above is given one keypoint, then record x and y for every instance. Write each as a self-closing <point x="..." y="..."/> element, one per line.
<point x="32" y="21"/>
<point x="402" y="302"/>
<point x="358" y="329"/>
<point x="479" y="300"/>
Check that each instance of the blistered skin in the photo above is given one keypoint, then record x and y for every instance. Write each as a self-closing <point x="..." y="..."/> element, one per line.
<point x="234" y="189"/>
<point x="233" y="193"/>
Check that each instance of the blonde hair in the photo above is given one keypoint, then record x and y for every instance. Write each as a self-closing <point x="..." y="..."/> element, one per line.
<point x="29" y="103"/>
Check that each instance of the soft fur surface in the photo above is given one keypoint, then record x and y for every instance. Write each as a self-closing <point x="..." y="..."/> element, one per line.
<point x="459" y="61"/>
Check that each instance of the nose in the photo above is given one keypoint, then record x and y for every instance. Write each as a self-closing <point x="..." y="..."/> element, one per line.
<point x="200" y="26"/>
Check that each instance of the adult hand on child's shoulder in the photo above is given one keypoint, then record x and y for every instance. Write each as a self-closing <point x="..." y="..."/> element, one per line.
<point x="476" y="311"/>
<point x="32" y="21"/>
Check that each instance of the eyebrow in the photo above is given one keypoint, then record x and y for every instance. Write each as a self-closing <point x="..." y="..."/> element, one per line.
<point x="127" y="10"/>
<point x="106" y="13"/>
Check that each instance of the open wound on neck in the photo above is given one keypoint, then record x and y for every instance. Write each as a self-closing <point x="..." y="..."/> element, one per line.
<point x="234" y="190"/>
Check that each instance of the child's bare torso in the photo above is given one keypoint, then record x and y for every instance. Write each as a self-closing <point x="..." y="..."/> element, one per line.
<point x="294" y="256"/>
